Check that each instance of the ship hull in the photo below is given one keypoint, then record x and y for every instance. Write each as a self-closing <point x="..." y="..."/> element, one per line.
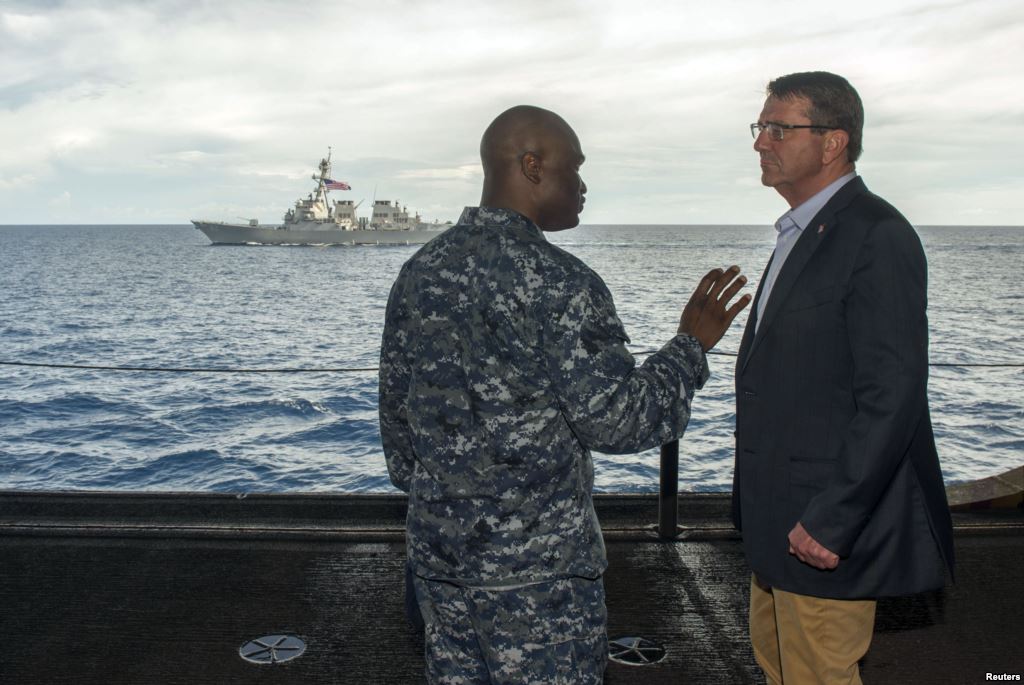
<point x="235" y="234"/>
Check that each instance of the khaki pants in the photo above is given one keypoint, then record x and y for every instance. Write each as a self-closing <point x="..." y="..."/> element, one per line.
<point x="802" y="640"/>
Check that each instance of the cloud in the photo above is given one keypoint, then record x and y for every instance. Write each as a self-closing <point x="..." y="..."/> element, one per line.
<point x="464" y="172"/>
<point x="16" y="182"/>
<point x="61" y="201"/>
<point x="24" y="27"/>
<point x="203" y="99"/>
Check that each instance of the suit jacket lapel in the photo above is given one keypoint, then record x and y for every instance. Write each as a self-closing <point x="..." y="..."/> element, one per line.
<point x="805" y="246"/>
<point x="748" y="330"/>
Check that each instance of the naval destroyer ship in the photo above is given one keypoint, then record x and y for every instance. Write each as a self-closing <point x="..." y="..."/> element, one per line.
<point x="318" y="220"/>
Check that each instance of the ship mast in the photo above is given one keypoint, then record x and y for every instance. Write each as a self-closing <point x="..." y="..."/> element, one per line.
<point x="325" y="171"/>
<point x="321" y="188"/>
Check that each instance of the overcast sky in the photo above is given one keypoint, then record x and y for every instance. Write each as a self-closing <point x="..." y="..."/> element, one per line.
<point x="169" y="110"/>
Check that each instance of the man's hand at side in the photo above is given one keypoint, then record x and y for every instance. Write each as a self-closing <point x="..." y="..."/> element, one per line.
<point x="809" y="551"/>
<point x="707" y="316"/>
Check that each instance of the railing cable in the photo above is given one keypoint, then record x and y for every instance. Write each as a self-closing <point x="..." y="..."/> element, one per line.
<point x="169" y="369"/>
<point x="367" y="369"/>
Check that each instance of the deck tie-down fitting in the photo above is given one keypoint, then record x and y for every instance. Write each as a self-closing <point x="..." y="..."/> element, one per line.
<point x="635" y="651"/>
<point x="272" y="649"/>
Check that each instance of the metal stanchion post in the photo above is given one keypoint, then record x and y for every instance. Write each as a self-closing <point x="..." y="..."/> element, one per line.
<point x="668" y="491"/>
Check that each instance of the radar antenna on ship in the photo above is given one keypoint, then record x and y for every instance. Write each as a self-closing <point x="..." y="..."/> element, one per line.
<point x="325" y="168"/>
<point x="321" y="187"/>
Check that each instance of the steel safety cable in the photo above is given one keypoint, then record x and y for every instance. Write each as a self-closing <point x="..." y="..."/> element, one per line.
<point x="367" y="369"/>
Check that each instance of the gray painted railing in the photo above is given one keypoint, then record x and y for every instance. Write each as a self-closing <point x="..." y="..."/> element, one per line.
<point x="668" y="492"/>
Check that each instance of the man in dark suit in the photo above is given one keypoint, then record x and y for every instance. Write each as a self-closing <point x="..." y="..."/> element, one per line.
<point x="837" y="488"/>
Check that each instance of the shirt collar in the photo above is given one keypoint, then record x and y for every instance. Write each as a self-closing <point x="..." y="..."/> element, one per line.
<point x="802" y="214"/>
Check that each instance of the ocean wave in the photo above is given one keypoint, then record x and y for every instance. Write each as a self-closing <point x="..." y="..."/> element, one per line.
<point x="216" y="414"/>
<point x="189" y="470"/>
<point x="347" y="431"/>
<point x="75" y="404"/>
<point x="141" y="434"/>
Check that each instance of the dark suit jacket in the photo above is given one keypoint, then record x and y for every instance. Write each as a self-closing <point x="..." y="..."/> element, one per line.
<point x="832" y="423"/>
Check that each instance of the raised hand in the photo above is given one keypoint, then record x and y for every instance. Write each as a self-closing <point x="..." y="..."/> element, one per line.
<point x="707" y="316"/>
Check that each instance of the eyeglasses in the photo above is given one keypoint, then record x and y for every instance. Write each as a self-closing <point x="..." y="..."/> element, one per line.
<point x="778" y="131"/>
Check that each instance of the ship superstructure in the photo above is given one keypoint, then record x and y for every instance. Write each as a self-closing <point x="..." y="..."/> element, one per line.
<point x="319" y="220"/>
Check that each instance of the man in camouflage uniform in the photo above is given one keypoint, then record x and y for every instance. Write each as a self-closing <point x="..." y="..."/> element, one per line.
<point x="503" y="363"/>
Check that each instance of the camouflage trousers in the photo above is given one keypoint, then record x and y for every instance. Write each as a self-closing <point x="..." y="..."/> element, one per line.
<point x="551" y="633"/>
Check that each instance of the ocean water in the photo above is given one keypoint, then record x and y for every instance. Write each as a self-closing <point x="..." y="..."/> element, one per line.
<point x="162" y="296"/>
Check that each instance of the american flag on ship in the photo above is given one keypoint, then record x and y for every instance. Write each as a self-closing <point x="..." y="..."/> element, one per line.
<point x="331" y="184"/>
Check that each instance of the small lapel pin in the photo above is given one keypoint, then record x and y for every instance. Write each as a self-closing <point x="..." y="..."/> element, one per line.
<point x="821" y="229"/>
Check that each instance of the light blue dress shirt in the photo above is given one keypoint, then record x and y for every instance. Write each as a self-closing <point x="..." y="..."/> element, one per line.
<point x="790" y="227"/>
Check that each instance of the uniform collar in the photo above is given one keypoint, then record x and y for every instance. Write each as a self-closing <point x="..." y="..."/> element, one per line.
<point x="496" y="216"/>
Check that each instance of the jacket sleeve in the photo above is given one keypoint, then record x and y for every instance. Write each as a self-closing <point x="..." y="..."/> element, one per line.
<point x="393" y="390"/>
<point x="611" y="404"/>
<point x="887" y="328"/>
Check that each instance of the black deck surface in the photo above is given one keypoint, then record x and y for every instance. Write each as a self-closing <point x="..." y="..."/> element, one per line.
<point x="165" y="589"/>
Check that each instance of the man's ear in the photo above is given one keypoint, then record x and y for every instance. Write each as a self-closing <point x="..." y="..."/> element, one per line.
<point x="835" y="145"/>
<point x="531" y="166"/>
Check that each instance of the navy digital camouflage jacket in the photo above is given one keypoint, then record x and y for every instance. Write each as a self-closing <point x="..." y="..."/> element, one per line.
<point x="503" y="363"/>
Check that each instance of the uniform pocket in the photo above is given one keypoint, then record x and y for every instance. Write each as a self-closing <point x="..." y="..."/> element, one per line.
<point x="544" y="613"/>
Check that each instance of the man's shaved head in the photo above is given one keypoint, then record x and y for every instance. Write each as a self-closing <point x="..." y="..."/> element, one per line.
<point x="516" y="131"/>
<point x="527" y="153"/>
